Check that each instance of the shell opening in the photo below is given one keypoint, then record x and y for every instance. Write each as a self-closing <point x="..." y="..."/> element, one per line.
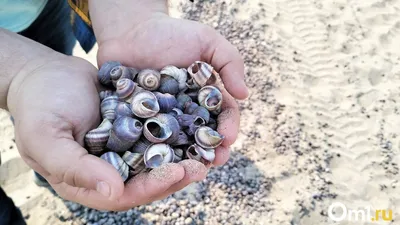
<point x="148" y="104"/>
<point x="192" y="151"/>
<point x="155" y="129"/>
<point x="155" y="161"/>
<point x="212" y="101"/>
<point x="196" y="67"/>
<point x="199" y="121"/>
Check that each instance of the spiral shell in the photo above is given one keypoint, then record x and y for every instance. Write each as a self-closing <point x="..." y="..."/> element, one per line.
<point x="104" y="73"/>
<point x="178" y="155"/>
<point x="149" y="79"/>
<point x="125" y="89"/>
<point x="144" y="104"/>
<point x="200" y="72"/>
<point x="168" y="85"/>
<point x="105" y="94"/>
<point x="118" y="163"/>
<point x="178" y="74"/>
<point x="185" y="120"/>
<point x="210" y="98"/>
<point x="123" y="109"/>
<point x="183" y="100"/>
<point x="124" y="133"/>
<point x="135" y="161"/>
<point x="175" y="112"/>
<point x="166" y="101"/>
<point x="96" y="139"/>
<point x="141" y="145"/>
<point x="190" y="107"/>
<point x="121" y="72"/>
<point x="208" y="138"/>
<point x="191" y="130"/>
<point x="202" y="112"/>
<point x="183" y="139"/>
<point x="158" y="154"/>
<point x="161" y="128"/>
<point x="107" y="107"/>
<point x="200" y="154"/>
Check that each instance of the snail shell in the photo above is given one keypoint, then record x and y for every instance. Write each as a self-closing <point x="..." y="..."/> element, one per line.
<point x="120" y="72"/>
<point x="168" y="85"/>
<point x="183" y="139"/>
<point x="208" y="138"/>
<point x="118" y="163"/>
<point x="105" y="94"/>
<point x="141" y="145"/>
<point x="183" y="99"/>
<point x="210" y="98"/>
<point x="203" y="113"/>
<point x="104" y="74"/>
<point x="134" y="161"/>
<point x="166" y="101"/>
<point x="200" y="72"/>
<point x="123" y="109"/>
<point x="178" y="74"/>
<point x="175" y="112"/>
<point x="108" y="106"/>
<point x="124" y="133"/>
<point x="149" y="79"/>
<point x="144" y="104"/>
<point x="190" y="107"/>
<point x="125" y="89"/>
<point x="96" y="139"/>
<point x="161" y="128"/>
<point x="185" y="120"/>
<point x="158" y="154"/>
<point x="178" y="155"/>
<point x="200" y="154"/>
<point x="198" y="122"/>
<point x="212" y="123"/>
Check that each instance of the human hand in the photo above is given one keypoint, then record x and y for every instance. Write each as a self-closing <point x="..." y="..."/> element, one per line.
<point x="54" y="104"/>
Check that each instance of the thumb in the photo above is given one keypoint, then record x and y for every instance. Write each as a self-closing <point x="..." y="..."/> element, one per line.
<point x="69" y="163"/>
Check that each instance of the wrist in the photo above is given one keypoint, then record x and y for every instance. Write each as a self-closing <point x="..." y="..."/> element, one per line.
<point x="111" y="19"/>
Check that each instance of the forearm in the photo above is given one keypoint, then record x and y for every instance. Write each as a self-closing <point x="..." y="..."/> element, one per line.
<point x="16" y="54"/>
<point x="112" y="18"/>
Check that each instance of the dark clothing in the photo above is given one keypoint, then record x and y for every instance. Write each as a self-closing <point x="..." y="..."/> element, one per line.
<point x="52" y="28"/>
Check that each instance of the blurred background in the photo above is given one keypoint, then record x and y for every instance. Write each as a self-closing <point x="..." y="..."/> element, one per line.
<point x="320" y="126"/>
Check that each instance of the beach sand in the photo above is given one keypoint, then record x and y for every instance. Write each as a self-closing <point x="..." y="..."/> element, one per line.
<point x="322" y="121"/>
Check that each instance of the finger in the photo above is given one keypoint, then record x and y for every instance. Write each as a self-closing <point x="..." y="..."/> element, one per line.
<point x="227" y="62"/>
<point x="141" y="189"/>
<point x="54" y="149"/>
<point x="228" y="119"/>
<point x="194" y="172"/>
<point x="221" y="156"/>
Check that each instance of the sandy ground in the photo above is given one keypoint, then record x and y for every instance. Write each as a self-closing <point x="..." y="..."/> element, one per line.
<point x="321" y="123"/>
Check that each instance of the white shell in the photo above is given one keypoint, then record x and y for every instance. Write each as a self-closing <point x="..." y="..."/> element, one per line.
<point x="144" y="104"/>
<point x="158" y="154"/>
<point x="178" y="74"/>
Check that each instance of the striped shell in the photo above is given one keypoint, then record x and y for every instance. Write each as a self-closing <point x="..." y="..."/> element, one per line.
<point x="200" y="154"/>
<point x="178" y="74"/>
<point x="107" y="107"/>
<point x="200" y="72"/>
<point x="125" y="89"/>
<point x="134" y="161"/>
<point x="124" y="133"/>
<point x="121" y="72"/>
<point x="118" y="163"/>
<point x="104" y="73"/>
<point x="210" y="98"/>
<point x="96" y="139"/>
<point x="149" y="79"/>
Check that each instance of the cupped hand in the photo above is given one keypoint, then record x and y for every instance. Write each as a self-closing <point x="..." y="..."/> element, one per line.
<point x="161" y="40"/>
<point x="54" y="105"/>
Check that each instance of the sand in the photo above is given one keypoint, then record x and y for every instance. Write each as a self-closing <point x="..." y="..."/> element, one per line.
<point x="321" y="123"/>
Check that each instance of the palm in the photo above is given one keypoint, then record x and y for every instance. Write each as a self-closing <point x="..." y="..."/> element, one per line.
<point x="157" y="43"/>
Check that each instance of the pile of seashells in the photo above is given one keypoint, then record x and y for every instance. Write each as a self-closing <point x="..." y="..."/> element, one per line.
<point x="155" y="117"/>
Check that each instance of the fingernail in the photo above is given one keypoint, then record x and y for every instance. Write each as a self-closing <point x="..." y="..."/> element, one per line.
<point x="103" y="188"/>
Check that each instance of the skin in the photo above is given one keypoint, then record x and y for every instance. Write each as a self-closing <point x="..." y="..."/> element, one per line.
<point x="54" y="100"/>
